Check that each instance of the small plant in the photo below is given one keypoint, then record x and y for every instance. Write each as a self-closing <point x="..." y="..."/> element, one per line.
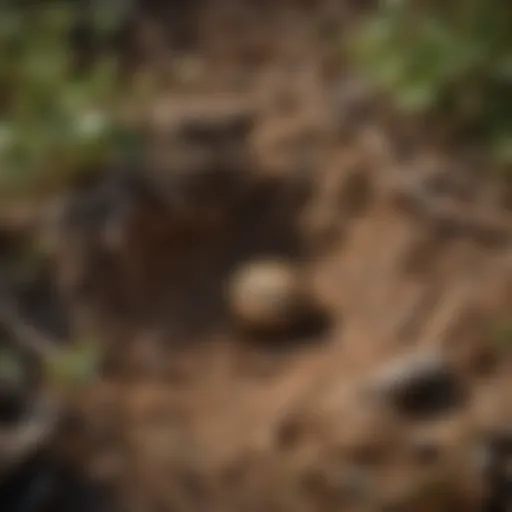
<point x="11" y="368"/>
<point x="72" y="367"/>
<point x="451" y="58"/>
<point x="501" y="335"/>
<point x="54" y="122"/>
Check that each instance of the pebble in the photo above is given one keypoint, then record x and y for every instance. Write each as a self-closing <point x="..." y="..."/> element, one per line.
<point x="269" y="296"/>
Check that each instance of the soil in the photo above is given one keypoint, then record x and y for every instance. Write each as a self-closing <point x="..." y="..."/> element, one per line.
<point x="267" y="146"/>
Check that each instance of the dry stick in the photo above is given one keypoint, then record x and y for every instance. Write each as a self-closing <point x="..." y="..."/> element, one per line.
<point x="37" y="428"/>
<point x="416" y="200"/>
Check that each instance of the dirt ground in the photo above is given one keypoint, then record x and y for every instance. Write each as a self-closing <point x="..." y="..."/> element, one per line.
<point x="405" y="241"/>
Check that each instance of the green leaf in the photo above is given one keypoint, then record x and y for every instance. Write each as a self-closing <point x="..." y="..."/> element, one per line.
<point x="502" y="149"/>
<point x="76" y="365"/>
<point x="501" y="334"/>
<point x="11" y="368"/>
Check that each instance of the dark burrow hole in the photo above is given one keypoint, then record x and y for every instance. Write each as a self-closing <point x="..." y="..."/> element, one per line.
<point x="189" y="276"/>
<point x="430" y="398"/>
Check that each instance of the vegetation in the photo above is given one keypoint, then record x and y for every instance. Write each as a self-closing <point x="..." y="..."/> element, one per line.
<point x="450" y="58"/>
<point x="501" y="335"/>
<point x="74" y="366"/>
<point x="59" y="118"/>
<point x="54" y="120"/>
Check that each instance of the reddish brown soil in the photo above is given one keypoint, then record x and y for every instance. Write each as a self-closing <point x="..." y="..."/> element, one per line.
<point x="194" y="417"/>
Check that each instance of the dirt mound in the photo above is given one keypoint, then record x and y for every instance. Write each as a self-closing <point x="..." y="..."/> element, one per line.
<point x="211" y="417"/>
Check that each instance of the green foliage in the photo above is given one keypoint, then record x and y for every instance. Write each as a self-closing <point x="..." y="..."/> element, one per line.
<point x="73" y="366"/>
<point x="11" y="368"/>
<point x="53" y="121"/>
<point x="454" y="58"/>
<point x="501" y="335"/>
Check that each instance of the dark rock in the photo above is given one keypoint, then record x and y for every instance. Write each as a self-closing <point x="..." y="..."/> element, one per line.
<point x="420" y="385"/>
